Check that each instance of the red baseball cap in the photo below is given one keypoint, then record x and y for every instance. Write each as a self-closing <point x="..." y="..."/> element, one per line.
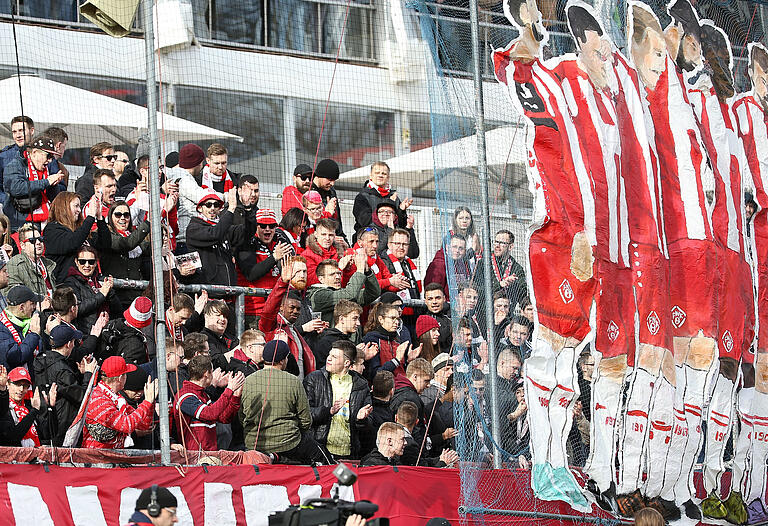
<point x="18" y="374"/>
<point x="114" y="366"/>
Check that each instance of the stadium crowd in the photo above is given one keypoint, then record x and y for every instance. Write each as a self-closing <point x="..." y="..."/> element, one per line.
<point x="335" y="363"/>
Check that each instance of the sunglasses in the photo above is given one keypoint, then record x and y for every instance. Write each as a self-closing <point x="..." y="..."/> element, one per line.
<point x="109" y="157"/>
<point x="262" y="225"/>
<point x="122" y="214"/>
<point x="33" y="240"/>
<point x="305" y="177"/>
<point x="212" y="204"/>
<point x="86" y="261"/>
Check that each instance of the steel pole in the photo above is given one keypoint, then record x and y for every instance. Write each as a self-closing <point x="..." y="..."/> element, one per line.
<point x="156" y="230"/>
<point x="482" y="174"/>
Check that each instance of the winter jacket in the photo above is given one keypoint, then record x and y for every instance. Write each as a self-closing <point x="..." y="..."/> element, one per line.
<point x="376" y="265"/>
<point x="197" y="416"/>
<point x="22" y="271"/>
<point x="115" y="260"/>
<point x="315" y="254"/>
<point x="375" y="458"/>
<point x="132" y="343"/>
<point x="216" y="244"/>
<point x="240" y="363"/>
<point x="271" y="320"/>
<point x="509" y="267"/>
<point x="109" y="419"/>
<point x="62" y="244"/>
<point x="291" y="199"/>
<point x="14" y="354"/>
<point x="323" y="347"/>
<point x="365" y="206"/>
<point x="386" y="359"/>
<point x="436" y="272"/>
<point x="362" y="288"/>
<point x="411" y="451"/>
<point x="84" y="184"/>
<point x="92" y="302"/>
<point x="286" y="418"/>
<point x="219" y="345"/>
<point x="45" y="422"/>
<point x="256" y="267"/>
<point x="443" y="318"/>
<point x="320" y="396"/>
<point x="190" y="192"/>
<point x="53" y="367"/>
<point x="381" y="413"/>
<point x="139" y="519"/>
<point x="16" y="183"/>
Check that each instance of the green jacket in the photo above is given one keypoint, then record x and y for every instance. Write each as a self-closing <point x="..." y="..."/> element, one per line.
<point x="22" y="271"/>
<point x="285" y="417"/>
<point x="363" y="289"/>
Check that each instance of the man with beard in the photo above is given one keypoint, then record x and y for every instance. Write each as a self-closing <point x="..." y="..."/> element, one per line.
<point x="560" y="250"/>
<point x="215" y="175"/>
<point x="368" y="242"/>
<point x="751" y="111"/>
<point x="691" y="246"/>
<point x="302" y="182"/>
<point x="279" y="325"/>
<point x="710" y="91"/>
<point x="247" y="199"/>
<point x="457" y="257"/>
<point x="257" y="263"/>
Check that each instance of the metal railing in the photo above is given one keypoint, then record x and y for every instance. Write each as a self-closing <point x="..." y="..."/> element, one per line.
<point x="230" y="291"/>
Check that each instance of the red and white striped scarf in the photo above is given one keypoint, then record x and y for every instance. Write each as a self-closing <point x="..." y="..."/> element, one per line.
<point x="46" y="278"/>
<point x="19" y="412"/>
<point x="210" y="178"/>
<point x="41" y="214"/>
<point x="173" y="330"/>
<point x="8" y="325"/>
<point x="507" y="270"/>
<point x="397" y="265"/>
<point x="383" y="190"/>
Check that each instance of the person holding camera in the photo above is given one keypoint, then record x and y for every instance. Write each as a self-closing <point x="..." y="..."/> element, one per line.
<point x="19" y="328"/>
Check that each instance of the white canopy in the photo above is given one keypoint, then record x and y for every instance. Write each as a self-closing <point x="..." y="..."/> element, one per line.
<point x="89" y="117"/>
<point x="505" y="145"/>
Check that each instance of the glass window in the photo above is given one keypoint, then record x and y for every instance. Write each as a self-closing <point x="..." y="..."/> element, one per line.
<point x="259" y="120"/>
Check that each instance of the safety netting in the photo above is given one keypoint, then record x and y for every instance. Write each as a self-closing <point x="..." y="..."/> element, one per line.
<point x="617" y="358"/>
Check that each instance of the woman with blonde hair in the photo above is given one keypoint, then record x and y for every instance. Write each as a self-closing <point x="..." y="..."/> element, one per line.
<point x="67" y="230"/>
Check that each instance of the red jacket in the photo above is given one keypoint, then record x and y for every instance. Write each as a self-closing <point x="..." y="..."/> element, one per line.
<point x="197" y="416"/>
<point x="249" y="258"/>
<point x="109" y="419"/>
<point x="271" y="320"/>
<point x="377" y="266"/>
<point x="291" y="199"/>
<point x="314" y="254"/>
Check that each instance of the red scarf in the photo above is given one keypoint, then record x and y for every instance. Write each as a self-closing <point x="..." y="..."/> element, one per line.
<point x="240" y="355"/>
<point x="20" y="411"/>
<point x="46" y="279"/>
<point x="209" y="179"/>
<point x="383" y="191"/>
<point x="41" y="214"/>
<point x="397" y="265"/>
<point x="173" y="330"/>
<point x="8" y="325"/>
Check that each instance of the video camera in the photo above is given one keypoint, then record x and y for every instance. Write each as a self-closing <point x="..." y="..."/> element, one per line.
<point x="330" y="512"/>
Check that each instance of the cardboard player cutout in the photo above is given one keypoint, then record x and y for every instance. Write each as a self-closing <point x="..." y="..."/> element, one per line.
<point x="750" y="110"/>
<point x="560" y="248"/>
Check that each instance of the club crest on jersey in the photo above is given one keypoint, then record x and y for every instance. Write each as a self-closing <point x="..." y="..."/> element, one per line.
<point x="678" y="316"/>
<point x="727" y="341"/>
<point x="613" y="331"/>
<point x="566" y="292"/>
<point x="653" y="322"/>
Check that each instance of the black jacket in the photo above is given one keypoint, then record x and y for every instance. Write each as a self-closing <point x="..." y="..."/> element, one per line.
<point x="375" y="458"/>
<point x="411" y="455"/>
<point x="53" y="367"/>
<point x="446" y="327"/>
<point x="219" y="346"/>
<point x="116" y="262"/>
<point x="320" y="396"/>
<point x="365" y="205"/>
<point x="239" y="366"/>
<point x="84" y="183"/>
<point x="132" y="344"/>
<point x="62" y="244"/>
<point x="381" y="413"/>
<point x="91" y="302"/>
<point x="216" y="245"/>
<point x="12" y="433"/>
<point x="324" y="343"/>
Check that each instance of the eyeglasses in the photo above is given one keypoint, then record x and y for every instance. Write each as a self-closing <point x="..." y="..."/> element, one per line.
<point x="32" y="240"/>
<point x="497" y="242"/>
<point x="108" y="157"/>
<point x="86" y="261"/>
<point x="314" y="208"/>
<point x="268" y="226"/>
<point x="400" y="244"/>
<point x="122" y="214"/>
<point x="391" y="317"/>
<point x="212" y="204"/>
<point x="256" y="344"/>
